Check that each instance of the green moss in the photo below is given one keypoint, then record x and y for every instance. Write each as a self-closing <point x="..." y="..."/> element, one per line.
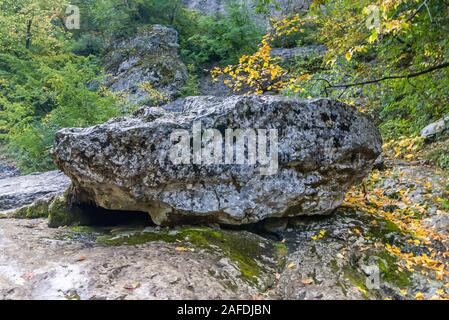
<point x="389" y="271"/>
<point x="380" y="230"/>
<point x="357" y="280"/>
<point x="73" y="295"/>
<point x="282" y="252"/>
<point x="244" y="251"/>
<point x="38" y="209"/>
<point x="85" y="229"/>
<point x="60" y="213"/>
<point x="443" y="204"/>
<point x="135" y="238"/>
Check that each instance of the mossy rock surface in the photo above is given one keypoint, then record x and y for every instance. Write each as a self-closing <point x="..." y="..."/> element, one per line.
<point x="91" y="263"/>
<point x="254" y="255"/>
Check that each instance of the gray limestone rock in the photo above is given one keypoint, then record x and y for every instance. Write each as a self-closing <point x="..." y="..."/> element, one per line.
<point x="324" y="147"/>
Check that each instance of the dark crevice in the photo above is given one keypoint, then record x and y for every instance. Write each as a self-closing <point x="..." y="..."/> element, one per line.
<point x="94" y="216"/>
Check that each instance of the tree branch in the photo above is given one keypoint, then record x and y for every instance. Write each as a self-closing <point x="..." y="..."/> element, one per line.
<point x="422" y="5"/>
<point x="405" y="76"/>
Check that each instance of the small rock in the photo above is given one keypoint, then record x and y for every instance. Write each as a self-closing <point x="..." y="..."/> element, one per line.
<point x="435" y="128"/>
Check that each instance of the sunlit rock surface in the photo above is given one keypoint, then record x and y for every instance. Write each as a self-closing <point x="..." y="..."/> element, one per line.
<point x="324" y="147"/>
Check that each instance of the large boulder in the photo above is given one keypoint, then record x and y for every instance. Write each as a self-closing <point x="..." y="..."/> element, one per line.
<point x="146" y="68"/>
<point x="324" y="147"/>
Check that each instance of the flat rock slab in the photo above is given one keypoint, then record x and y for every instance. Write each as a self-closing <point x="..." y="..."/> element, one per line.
<point x="16" y="192"/>
<point x="37" y="262"/>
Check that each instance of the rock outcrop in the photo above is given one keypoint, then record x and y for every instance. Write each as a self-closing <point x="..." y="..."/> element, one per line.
<point x="146" y="68"/>
<point x="342" y="256"/>
<point x="324" y="147"/>
<point x="289" y="55"/>
<point x="436" y="128"/>
<point x="37" y="262"/>
<point x="31" y="191"/>
<point x="7" y="169"/>
<point x="220" y="6"/>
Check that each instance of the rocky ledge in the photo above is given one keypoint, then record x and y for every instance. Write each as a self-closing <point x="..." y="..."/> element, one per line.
<point x="29" y="196"/>
<point x="146" y="68"/>
<point x="323" y="148"/>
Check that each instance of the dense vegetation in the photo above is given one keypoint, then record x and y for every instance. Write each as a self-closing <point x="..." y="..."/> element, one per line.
<point x="50" y="77"/>
<point x="389" y="58"/>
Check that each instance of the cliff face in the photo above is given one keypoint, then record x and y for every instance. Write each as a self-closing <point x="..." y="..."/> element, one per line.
<point x="146" y="68"/>
<point x="219" y="6"/>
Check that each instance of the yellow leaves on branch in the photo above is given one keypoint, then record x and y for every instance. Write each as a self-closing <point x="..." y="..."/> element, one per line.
<point x="156" y="97"/>
<point x="261" y="72"/>
<point x="320" y="235"/>
<point x="286" y="26"/>
<point x="365" y="27"/>
<point x="353" y="50"/>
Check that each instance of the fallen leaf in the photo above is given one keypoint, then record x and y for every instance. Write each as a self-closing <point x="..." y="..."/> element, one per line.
<point x="307" y="281"/>
<point x="132" y="286"/>
<point x="181" y="249"/>
<point x="419" y="296"/>
<point x="292" y="265"/>
<point x="27" y="276"/>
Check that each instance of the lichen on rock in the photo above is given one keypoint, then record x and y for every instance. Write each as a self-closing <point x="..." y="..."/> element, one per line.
<point x="324" y="148"/>
<point x="146" y="65"/>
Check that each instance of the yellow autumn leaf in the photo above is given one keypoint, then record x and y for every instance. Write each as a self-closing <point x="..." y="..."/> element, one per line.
<point x="307" y="281"/>
<point x="348" y="56"/>
<point x="419" y="296"/>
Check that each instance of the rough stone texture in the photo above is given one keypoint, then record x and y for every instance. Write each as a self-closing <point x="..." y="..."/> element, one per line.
<point x="435" y="128"/>
<point x="129" y="262"/>
<point x="324" y="148"/>
<point x="16" y="192"/>
<point x="37" y="262"/>
<point x="7" y="167"/>
<point x="149" y="57"/>
<point x="288" y="54"/>
<point x="207" y="86"/>
<point x="219" y="6"/>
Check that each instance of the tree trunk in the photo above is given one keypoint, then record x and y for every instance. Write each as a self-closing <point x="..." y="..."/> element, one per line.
<point x="28" y="34"/>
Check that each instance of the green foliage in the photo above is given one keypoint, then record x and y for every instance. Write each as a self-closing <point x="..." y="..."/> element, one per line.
<point x="43" y="87"/>
<point x="191" y="86"/>
<point x="50" y="77"/>
<point x="440" y="156"/>
<point x="42" y="95"/>
<point x="203" y="39"/>
<point x="409" y="39"/>
<point x="117" y="18"/>
<point x="221" y="39"/>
